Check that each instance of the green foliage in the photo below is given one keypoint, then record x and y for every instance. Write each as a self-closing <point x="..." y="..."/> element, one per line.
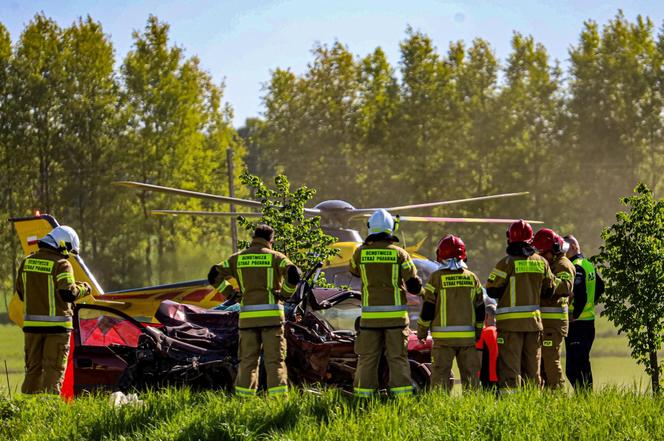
<point x="632" y="261"/>
<point x="71" y="124"/>
<point x="297" y="235"/>
<point x="185" y="415"/>
<point x="439" y="123"/>
<point x="456" y="122"/>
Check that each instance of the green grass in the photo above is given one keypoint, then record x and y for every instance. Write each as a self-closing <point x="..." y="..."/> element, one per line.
<point x="183" y="415"/>
<point x="620" y="409"/>
<point x="11" y="351"/>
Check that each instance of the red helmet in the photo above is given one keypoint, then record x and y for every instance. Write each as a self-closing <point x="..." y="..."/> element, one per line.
<point x="520" y="231"/>
<point x="450" y="247"/>
<point x="547" y="240"/>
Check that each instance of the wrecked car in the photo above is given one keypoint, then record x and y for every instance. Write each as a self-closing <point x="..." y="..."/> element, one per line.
<point x="197" y="347"/>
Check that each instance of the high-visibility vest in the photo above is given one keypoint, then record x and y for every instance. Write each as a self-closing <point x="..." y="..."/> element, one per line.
<point x="588" y="312"/>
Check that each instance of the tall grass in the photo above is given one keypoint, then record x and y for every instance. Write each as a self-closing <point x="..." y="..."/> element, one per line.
<point x="611" y="414"/>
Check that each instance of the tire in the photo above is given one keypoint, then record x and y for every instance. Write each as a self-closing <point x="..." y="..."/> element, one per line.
<point x="420" y="376"/>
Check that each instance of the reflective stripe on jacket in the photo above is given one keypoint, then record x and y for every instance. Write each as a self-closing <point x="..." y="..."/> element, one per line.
<point x="555" y="310"/>
<point x="456" y="294"/>
<point x="522" y="280"/>
<point x="384" y="268"/>
<point x="588" y="312"/>
<point x="42" y="277"/>
<point x="261" y="274"/>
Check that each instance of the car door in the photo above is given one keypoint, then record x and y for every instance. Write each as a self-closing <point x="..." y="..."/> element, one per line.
<point x="105" y="342"/>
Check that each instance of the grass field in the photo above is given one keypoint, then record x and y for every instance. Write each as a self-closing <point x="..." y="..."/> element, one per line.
<point x="182" y="415"/>
<point x="620" y="409"/>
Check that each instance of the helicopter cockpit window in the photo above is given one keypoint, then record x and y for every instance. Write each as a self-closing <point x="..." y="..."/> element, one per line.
<point x="340" y="276"/>
<point x="342" y="316"/>
<point x="424" y="268"/>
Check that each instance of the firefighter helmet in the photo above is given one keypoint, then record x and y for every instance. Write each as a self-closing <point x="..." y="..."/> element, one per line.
<point x="64" y="239"/>
<point x="520" y="231"/>
<point x="450" y="247"/>
<point x="547" y="240"/>
<point x="382" y="222"/>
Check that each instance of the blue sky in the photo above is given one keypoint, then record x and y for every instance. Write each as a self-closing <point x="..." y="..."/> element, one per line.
<point x="241" y="42"/>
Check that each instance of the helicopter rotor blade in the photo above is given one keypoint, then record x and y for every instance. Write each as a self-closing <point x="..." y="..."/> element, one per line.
<point x="188" y="193"/>
<point x="477" y="220"/>
<point x="195" y="194"/>
<point x="202" y="213"/>
<point x="439" y="203"/>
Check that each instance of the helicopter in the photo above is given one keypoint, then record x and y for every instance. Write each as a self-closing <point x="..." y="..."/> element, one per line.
<point x="336" y="216"/>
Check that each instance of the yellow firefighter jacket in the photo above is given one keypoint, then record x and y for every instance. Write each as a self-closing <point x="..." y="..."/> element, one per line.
<point x="554" y="309"/>
<point x="260" y="272"/>
<point x="46" y="284"/>
<point x="384" y="268"/>
<point x="457" y="294"/>
<point x="521" y="280"/>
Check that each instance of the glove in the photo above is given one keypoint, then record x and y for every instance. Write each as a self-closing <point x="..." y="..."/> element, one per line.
<point x="422" y="333"/>
<point x="84" y="288"/>
<point x="234" y="295"/>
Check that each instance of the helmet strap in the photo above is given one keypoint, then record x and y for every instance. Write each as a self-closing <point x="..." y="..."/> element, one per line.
<point x="62" y="247"/>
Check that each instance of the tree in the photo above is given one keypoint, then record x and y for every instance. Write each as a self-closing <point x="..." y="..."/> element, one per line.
<point x="36" y="76"/>
<point x="632" y="262"/>
<point x="179" y="130"/>
<point x="91" y="127"/>
<point x="614" y="115"/>
<point x="297" y="236"/>
<point x="7" y="160"/>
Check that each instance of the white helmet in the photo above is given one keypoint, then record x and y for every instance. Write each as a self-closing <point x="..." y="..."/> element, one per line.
<point x="63" y="238"/>
<point x="382" y="222"/>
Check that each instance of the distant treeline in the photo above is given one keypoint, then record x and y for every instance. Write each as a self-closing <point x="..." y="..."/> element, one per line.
<point x="457" y="122"/>
<point x="439" y="125"/>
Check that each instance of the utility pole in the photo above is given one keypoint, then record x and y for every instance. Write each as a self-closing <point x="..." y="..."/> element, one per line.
<point x="231" y="193"/>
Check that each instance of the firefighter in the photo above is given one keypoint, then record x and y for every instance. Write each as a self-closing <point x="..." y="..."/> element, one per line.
<point x="518" y="282"/>
<point x="264" y="276"/>
<point x="453" y="307"/>
<point x="588" y="287"/>
<point x="554" y="310"/>
<point x="46" y="285"/>
<point x="387" y="272"/>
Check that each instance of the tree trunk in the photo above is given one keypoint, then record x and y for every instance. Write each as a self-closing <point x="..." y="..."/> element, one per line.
<point x="654" y="365"/>
<point x="148" y="261"/>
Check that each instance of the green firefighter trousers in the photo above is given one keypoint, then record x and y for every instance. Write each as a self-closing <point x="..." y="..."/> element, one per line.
<point x="552" y="371"/>
<point x="519" y="358"/>
<point x="271" y="339"/>
<point x="369" y="347"/>
<point x="45" y="362"/>
<point x="442" y="358"/>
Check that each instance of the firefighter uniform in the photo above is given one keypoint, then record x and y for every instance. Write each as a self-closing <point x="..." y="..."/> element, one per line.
<point x="455" y="299"/>
<point x="47" y="287"/>
<point x="518" y="281"/>
<point x="588" y="286"/>
<point x="554" y="320"/>
<point x="384" y="268"/>
<point x="260" y="272"/>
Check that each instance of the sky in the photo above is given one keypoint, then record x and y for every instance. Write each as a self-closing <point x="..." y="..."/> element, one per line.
<point x="241" y="42"/>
